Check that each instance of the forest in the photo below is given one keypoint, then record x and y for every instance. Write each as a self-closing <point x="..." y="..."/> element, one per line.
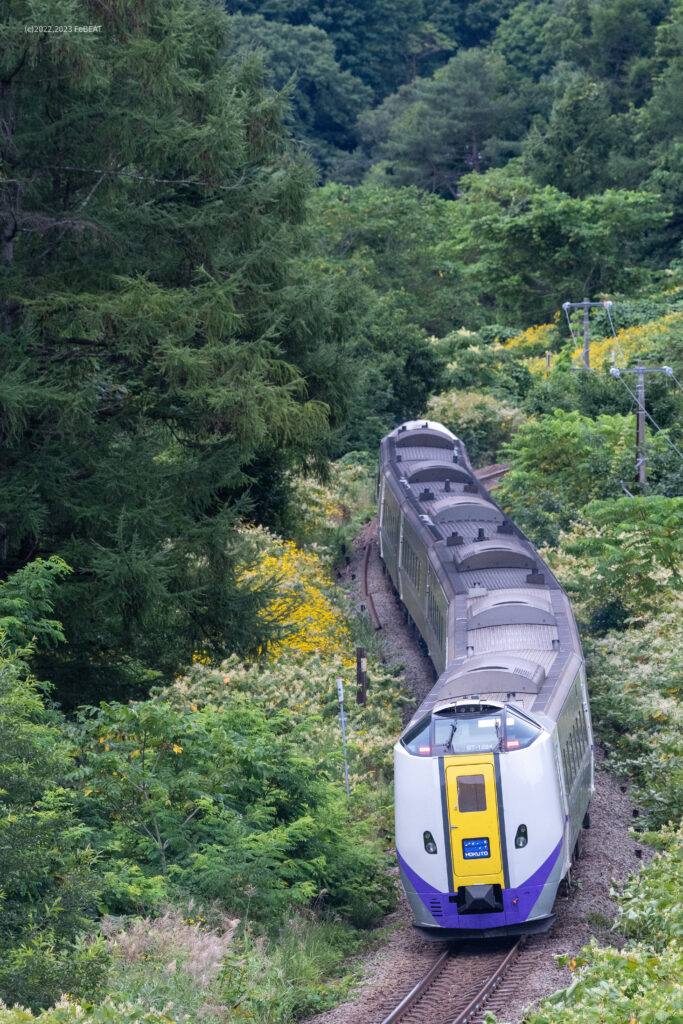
<point x="240" y="242"/>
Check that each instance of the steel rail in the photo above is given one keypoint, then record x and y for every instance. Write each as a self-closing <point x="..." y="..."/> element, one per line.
<point x="367" y="596"/>
<point x="418" y="990"/>
<point x="492" y="473"/>
<point x="474" y="1004"/>
<point x="488" y="987"/>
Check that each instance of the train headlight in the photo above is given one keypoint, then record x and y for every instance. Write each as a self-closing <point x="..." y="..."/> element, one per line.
<point x="430" y="845"/>
<point x="522" y="837"/>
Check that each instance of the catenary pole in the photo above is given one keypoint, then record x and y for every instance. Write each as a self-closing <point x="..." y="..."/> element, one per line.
<point x="641" y="454"/>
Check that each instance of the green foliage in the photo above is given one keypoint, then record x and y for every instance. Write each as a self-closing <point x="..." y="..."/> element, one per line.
<point x="26" y="597"/>
<point x="331" y="514"/>
<point x="528" y="38"/>
<point x="191" y="969"/>
<point x="483" y="422"/>
<point x="66" y="1012"/>
<point x="635" y="679"/>
<point x="635" y="683"/>
<point x="651" y="909"/>
<point x="306" y="972"/>
<point x="389" y="237"/>
<point x="616" y="986"/>
<point x="470" y="24"/>
<point x="626" y="555"/>
<point x="572" y="150"/>
<point x="38" y="971"/>
<point x="372" y="41"/>
<point x="465" y="118"/>
<point x="558" y="464"/>
<point x="525" y="248"/>
<point x="49" y="889"/>
<point x="229" y="785"/>
<point x="489" y="368"/>
<point x="325" y="100"/>
<point x="366" y="243"/>
<point x="160" y="337"/>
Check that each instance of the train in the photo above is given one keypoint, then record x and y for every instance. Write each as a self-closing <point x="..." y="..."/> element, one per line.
<point x="494" y="773"/>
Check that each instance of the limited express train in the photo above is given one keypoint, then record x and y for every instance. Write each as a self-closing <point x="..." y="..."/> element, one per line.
<point x="494" y="773"/>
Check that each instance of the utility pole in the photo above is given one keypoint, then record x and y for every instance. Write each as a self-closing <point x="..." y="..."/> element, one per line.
<point x="641" y="450"/>
<point x="585" y="306"/>
<point x="641" y="454"/>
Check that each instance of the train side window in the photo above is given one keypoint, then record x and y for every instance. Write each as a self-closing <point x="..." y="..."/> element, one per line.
<point x="581" y="735"/>
<point x="471" y="793"/>
<point x="565" y="765"/>
<point x="571" y="761"/>
<point x="570" y="755"/>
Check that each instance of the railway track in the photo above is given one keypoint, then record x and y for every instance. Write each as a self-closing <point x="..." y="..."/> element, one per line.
<point x="490" y="476"/>
<point x="460" y="987"/>
<point x="367" y="596"/>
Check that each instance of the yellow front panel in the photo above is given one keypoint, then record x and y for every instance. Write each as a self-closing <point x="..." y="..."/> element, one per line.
<point x="473" y="819"/>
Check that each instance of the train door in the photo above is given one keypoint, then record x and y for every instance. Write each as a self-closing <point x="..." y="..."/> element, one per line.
<point x="473" y="820"/>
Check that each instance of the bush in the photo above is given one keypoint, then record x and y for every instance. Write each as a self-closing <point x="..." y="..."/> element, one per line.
<point x="651" y="909"/>
<point x="48" y="881"/>
<point x="635" y="682"/>
<point x="482" y="422"/>
<point x="623" y="557"/>
<point x="230" y="785"/>
<point x="617" y="987"/>
<point x="560" y="463"/>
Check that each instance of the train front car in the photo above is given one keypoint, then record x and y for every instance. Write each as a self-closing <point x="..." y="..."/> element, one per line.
<point x="494" y="774"/>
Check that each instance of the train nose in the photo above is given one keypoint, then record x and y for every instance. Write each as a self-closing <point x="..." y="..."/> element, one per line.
<point x="480" y="899"/>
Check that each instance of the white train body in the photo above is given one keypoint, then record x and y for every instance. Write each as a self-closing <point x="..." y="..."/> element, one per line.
<point x="494" y="773"/>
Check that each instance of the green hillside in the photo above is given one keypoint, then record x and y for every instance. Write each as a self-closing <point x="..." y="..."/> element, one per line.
<point x="240" y="243"/>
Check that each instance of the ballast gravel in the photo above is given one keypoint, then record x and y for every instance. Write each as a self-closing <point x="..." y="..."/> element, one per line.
<point x="610" y="853"/>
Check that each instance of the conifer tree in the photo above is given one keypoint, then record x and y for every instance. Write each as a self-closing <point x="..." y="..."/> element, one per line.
<point x="159" y="349"/>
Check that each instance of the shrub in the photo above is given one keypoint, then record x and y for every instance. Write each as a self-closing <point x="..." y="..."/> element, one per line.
<point x="650" y="905"/>
<point x="482" y="422"/>
<point x="559" y="463"/>
<point x="623" y="557"/>
<point x="635" y="679"/>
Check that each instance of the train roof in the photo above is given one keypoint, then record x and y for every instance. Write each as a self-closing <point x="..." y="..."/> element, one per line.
<point x="513" y="635"/>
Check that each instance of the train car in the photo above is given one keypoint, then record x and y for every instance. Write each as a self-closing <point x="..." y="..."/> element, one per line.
<point x="494" y="773"/>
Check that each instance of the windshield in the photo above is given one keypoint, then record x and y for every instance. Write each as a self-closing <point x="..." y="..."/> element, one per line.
<point x="467" y="734"/>
<point x="454" y="731"/>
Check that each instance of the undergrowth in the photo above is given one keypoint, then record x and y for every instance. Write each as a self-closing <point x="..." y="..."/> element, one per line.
<point x="635" y="678"/>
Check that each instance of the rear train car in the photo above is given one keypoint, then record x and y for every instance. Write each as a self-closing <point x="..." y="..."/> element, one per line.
<point x="494" y="773"/>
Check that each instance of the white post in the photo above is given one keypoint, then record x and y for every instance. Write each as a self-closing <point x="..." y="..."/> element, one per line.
<point x="342" y="721"/>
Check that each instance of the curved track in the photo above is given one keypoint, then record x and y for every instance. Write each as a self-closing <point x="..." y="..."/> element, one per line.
<point x="367" y="596"/>
<point x="460" y="987"/>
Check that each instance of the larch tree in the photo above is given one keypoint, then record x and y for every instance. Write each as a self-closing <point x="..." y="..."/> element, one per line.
<point x="160" y="349"/>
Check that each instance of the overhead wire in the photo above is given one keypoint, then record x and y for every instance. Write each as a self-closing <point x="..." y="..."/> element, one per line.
<point x="609" y="317"/>
<point x="606" y="306"/>
<point x="655" y="425"/>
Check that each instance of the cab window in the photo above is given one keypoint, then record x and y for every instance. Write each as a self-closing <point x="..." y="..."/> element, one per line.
<point x="417" y="740"/>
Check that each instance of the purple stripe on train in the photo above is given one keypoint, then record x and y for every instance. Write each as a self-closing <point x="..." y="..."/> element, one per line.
<point x="526" y="896"/>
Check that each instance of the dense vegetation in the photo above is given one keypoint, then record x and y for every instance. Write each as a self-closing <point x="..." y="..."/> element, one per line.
<point x="238" y="246"/>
